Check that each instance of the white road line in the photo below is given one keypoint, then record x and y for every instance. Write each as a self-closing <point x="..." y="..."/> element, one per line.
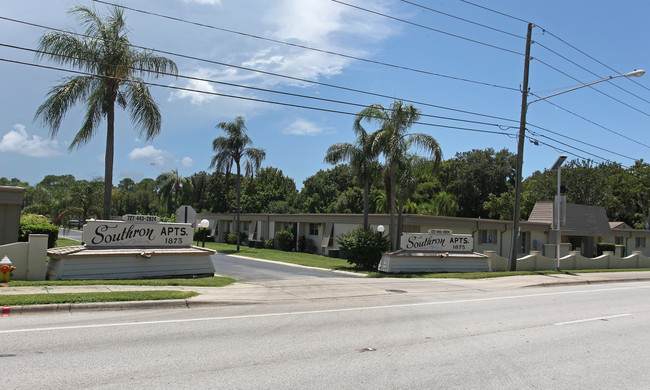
<point x="297" y="313"/>
<point x="592" y="319"/>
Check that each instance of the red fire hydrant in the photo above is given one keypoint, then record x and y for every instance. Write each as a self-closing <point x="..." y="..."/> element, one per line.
<point x="5" y="269"/>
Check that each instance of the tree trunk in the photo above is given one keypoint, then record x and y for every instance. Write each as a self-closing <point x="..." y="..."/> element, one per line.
<point x="108" y="161"/>
<point x="400" y="227"/>
<point x="238" y="204"/>
<point x="366" y="196"/>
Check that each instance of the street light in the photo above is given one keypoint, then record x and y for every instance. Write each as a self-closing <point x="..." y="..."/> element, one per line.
<point x="558" y="237"/>
<point x="204" y="224"/>
<point x="520" y="152"/>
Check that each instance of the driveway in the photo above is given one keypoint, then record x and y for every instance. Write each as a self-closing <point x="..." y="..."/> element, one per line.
<point x="250" y="270"/>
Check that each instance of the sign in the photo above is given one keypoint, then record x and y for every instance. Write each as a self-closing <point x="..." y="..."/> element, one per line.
<point x="140" y="218"/>
<point x="186" y="214"/>
<point x="122" y="234"/>
<point x="437" y="241"/>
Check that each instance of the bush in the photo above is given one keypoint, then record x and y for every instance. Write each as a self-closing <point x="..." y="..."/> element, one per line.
<point x="231" y="238"/>
<point x="198" y="234"/>
<point x="36" y="224"/>
<point x="362" y="248"/>
<point x="605" y="246"/>
<point x="286" y="240"/>
<point x="302" y="244"/>
<point x="268" y="244"/>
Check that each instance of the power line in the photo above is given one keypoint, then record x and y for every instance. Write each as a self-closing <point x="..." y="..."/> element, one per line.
<point x="273" y="74"/>
<point x="428" y="28"/>
<point x="264" y="89"/>
<point x="579" y="141"/>
<point x="593" y="123"/>
<point x="463" y="19"/>
<point x="496" y="12"/>
<point x="592" y="87"/>
<point x="587" y="70"/>
<point x="401" y="67"/>
<point x="243" y="97"/>
<point x="544" y="31"/>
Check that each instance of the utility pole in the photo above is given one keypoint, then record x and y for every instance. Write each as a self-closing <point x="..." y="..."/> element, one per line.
<point x="520" y="154"/>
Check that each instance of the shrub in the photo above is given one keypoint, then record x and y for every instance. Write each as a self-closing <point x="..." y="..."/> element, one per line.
<point x="605" y="246"/>
<point x="198" y="234"/>
<point x="302" y="244"/>
<point x="362" y="248"/>
<point x="231" y="238"/>
<point x="36" y="224"/>
<point x="268" y="244"/>
<point x="286" y="240"/>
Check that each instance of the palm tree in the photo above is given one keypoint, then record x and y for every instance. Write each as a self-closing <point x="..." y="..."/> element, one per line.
<point x="363" y="161"/>
<point x="230" y="151"/>
<point x="113" y="69"/>
<point x="393" y="140"/>
<point x="171" y="186"/>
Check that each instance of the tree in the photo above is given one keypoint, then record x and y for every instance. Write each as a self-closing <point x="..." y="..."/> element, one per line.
<point x="172" y="186"/>
<point x="362" y="157"/>
<point x="392" y="139"/>
<point x="114" y="71"/>
<point x="234" y="150"/>
<point x="472" y="176"/>
<point x="321" y="190"/>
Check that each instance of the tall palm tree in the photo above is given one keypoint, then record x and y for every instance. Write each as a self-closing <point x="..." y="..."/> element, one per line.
<point x="362" y="158"/>
<point x="231" y="150"/>
<point x="115" y="71"/>
<point x="393" y="139"/>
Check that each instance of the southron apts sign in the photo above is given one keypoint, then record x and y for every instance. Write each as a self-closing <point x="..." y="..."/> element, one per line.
<point x="438" y="240"/>
<point x="128" y="234"/>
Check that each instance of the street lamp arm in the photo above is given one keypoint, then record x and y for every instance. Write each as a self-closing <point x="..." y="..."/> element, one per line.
<point x="636" y="73"/>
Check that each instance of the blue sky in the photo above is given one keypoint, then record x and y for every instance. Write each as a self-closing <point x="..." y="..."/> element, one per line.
<point x="613" y="127"/>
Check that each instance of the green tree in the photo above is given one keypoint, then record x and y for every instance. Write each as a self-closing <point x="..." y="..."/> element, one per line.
<point x="234" y="150"/>
<point x="115" y="71"/>
<point x="322" y="189"/>
<point x="393" y="140"/>
<point x="472" y="176"/>
<point x="172" y="186"/>
<point x="362" y="158"/>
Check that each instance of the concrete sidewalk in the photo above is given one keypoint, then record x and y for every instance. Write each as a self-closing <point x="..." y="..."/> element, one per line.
<point x="307" y="290"/>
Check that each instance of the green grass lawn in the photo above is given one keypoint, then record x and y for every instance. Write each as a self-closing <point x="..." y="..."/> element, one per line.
<point x="120" y="296"/>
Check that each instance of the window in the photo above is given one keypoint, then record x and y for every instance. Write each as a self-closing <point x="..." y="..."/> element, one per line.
<point x="313" y="229"/>
<point x="640" y="242"/>
<point x="488" y="236"/>
<point x="524" y="242"/>
<point x="619" y="240"/>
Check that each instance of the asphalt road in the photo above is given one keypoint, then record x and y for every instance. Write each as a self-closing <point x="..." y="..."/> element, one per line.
<point x="569" y="337"/>
<point x="247" y="270"/>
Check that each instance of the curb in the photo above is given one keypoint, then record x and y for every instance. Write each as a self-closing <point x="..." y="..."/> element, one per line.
<point x="588" y="281"/>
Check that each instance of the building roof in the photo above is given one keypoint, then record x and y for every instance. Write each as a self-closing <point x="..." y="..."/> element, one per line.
<point x="619" y="225"/>
<point x="581" y="220"/>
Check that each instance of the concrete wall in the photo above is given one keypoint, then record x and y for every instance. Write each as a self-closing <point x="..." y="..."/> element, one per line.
<point x="11" y="199"/>
<point x="536" y="261"/>
<point x="29" y="258"/>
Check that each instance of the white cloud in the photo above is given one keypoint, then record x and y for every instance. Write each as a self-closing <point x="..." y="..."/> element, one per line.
<point x="302" y="127"/>
<point x="187" y="162"/>
<point x="18" y="141"/>
<point x="149" y="154"/>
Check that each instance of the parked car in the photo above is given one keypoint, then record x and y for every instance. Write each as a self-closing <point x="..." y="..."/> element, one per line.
<point x="75" y="223"/>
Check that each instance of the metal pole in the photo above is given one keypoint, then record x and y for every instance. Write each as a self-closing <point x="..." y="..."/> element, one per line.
<point x="558" y="237"/>
<point x="520" y="155"/>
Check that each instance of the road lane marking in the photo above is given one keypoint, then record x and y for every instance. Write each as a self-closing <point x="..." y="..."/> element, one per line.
<point x="591" y="319"/>
<point x="299" y="313"/>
